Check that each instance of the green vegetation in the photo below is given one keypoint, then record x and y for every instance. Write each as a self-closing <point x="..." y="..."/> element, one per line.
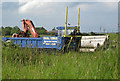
<point x="41" y="31"/>
<point x="8" y="31"/>
<point x="0" y="59"/>
<point x="26" y="63"/>
<point x="15" y="30"/>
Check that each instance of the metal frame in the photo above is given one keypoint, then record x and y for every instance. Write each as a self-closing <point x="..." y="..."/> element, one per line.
<point x="78" y="30"/>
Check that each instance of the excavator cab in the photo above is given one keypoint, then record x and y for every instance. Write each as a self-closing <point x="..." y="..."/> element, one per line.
<point x="71" y="31"/>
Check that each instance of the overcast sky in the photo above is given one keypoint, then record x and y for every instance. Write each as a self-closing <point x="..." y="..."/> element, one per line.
<point x="93" y="15"/>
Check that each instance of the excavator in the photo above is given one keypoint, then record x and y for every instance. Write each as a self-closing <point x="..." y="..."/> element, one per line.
<point x="27" y="24"/>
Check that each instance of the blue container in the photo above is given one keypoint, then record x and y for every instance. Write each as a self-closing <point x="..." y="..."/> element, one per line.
<point x="56" y="42"/>
<point x="43" y="42"/>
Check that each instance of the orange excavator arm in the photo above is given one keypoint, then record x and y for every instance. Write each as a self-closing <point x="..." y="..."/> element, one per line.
<point x="29" y="24"/>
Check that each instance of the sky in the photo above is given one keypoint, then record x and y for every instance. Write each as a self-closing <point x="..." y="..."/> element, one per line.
<point x="93" y="15"/>
<point x="119" y="17"/>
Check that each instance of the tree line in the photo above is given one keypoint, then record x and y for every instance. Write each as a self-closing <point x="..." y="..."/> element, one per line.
<point x="7" y="31"/>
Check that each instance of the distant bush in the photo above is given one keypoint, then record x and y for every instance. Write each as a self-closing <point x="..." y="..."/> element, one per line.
<point x="85" y="34"/>
<point x="8" y="31"/>
<point x="92" y="33"/>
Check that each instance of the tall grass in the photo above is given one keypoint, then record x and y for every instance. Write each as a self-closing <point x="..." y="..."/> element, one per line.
<point x="28" y="63"/>
<point x="0" y="60"/>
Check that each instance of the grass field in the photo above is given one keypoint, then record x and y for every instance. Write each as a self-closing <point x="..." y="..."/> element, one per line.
<point x="0" y="59"/>
<point x="27" y="63"/>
